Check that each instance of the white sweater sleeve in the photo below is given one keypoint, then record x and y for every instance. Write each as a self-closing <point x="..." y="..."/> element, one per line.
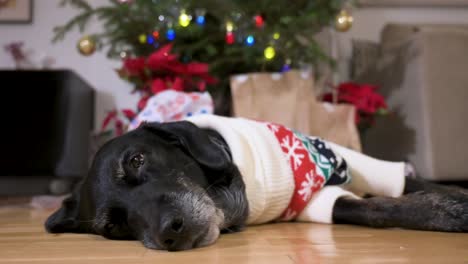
<point x="372" y="176"/>
<point x="368" y="176"/>
<point x="320" y="207"/>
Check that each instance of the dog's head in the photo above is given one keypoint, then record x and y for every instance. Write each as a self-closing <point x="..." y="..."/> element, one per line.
<point x="171" y="186"/>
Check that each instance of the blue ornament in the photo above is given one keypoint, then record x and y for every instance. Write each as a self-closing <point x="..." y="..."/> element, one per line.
<point x="201" y="20"/>
<point x="250" y="40"/>
<point x="170" y="34"/>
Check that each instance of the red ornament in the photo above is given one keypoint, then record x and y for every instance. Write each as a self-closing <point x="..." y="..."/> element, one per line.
<point x="259" y="21"/>
<point x="230" y="39"/>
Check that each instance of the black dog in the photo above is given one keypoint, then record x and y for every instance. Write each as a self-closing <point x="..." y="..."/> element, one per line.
<point x="173" y="186"/>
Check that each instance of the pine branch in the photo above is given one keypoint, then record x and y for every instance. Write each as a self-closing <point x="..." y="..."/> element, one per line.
<point x="80" y="4"/>
<point x="79" y="21"/>
<point x="297" y="21"/>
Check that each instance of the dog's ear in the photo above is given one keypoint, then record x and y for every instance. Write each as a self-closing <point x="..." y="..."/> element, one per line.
<point x="65" y="219"/>
<point x="194" y="140"/>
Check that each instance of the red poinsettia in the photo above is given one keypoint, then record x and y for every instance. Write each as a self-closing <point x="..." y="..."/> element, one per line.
<point x="162" y="70"/>
<point x="364" y="97"/>
<point x="134" y="66"/>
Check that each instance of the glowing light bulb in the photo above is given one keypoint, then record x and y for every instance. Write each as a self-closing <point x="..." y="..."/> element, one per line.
<point x="230" y="38"/>
<point x="259" y="21"/>
<point x="200" y="14"/>
<point x="229" y="26"/>
<point x="276" y="36"/>
<point x="170" y="34"/>
<point x="250" y="40"/>
<point x="150" y="39"/>
<point x="269" y="52"/>
<point x="156" y="34"/>
<point x="142" y="38"/>
<point x="201" y="20"/>
<point x="184" y="19"/>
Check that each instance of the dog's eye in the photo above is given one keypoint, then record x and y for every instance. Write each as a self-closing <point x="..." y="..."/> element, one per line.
<point x="137" y="161"/>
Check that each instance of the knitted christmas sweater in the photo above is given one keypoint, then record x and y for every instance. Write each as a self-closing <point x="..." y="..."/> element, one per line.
<point x="291" y="176"/>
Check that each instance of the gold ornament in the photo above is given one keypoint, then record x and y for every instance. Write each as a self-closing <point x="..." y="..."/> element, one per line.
<point x="86" y="45"/>
<point x="343" y="21"/>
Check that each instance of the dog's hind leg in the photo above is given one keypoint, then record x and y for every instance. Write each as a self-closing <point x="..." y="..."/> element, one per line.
<point x="425" y="206"/>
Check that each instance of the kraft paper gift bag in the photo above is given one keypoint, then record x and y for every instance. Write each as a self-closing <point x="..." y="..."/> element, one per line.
<point x="289" y="99"/>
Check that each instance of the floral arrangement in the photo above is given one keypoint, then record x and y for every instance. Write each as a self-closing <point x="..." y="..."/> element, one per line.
<point x="158" y="72"/>
<point x="369" y="104"/>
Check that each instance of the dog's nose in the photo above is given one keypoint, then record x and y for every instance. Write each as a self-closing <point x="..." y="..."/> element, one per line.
<point x="172" y="233"/>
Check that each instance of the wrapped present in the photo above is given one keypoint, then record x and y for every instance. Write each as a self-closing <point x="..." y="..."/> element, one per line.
<point x="173" y="105"/>
<point x="289" y="99"/>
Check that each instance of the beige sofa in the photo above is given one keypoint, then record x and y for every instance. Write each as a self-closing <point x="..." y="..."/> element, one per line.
<point x="423" y="71"/>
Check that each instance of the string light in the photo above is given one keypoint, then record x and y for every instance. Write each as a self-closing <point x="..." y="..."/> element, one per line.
<point x="269" y="52"/>
<point x="286" y="66"/>
<point x="184" y="19"/>
<point x="276" y="36"/>
<point x="229" y="26"/>
<point x="230" y="38"/>
<point x="123" y="54"/>
<point x="250" y="40"/>
<point x="156" y="34"/>
<point x="142" y="38"/>
<point x="170" y="34"/>
<point x="201" y="20"/>
<point x="200" y="13"/>
<point x="259" y="21"/>
<point x="150" y="39"/>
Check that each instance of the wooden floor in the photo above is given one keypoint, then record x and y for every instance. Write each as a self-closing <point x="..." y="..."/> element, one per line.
<point x="23" y="240"/>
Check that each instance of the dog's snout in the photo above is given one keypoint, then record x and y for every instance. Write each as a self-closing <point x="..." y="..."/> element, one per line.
<point x="172" y="233"/>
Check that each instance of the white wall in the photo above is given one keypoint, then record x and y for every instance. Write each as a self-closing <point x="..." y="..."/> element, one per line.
<point x="368" y="22"/>
<point x="99" y="71"/>
<point x="96" y="69"/>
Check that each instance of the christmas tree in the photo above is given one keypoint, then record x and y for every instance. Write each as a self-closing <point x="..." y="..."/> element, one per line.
<point x="231" y="36"/>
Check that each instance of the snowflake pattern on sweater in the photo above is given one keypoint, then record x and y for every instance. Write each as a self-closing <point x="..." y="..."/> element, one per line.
<point x="313" y="163"/>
